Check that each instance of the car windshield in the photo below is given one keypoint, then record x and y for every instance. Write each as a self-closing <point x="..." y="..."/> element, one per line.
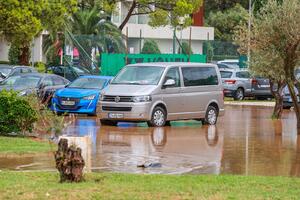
<point x="231" y="64"/>
<point x="88" y="83"/>
<point x="80" y="70"/>
<point x="5" y="71"/>
<point x="226" y="74"/>
<point x="139" y="75"/>
<point x="22" y="82"/>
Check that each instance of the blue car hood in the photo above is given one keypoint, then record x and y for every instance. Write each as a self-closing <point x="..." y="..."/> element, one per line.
<point x="76" y="92"/>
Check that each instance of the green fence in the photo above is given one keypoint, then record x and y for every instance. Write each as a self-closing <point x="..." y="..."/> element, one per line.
<point x="112" y="63"/>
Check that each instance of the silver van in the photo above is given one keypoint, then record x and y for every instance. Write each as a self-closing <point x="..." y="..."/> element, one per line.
<point x="158" y="93"/>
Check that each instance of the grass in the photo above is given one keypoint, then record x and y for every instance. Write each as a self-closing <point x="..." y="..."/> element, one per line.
<point x="44" y="185"/>
<point x="17" y="145"/>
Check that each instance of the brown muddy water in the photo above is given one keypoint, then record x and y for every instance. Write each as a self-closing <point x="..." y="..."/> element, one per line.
<point x="245" y="141"/>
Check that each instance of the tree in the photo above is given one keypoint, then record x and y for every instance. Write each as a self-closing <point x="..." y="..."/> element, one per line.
<point x="150" y="47"/>
<point x="22" y="21"/>
<point x="226" y="22"/>
<point x="275" y="43"/>
<point x="186" y="49"/>
<point x="161" y="12"/>
<point x="89" y="29"/>
<point x="223" y="5"/>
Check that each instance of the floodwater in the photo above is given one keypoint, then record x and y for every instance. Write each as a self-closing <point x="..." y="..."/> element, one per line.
<point x="245" y="141"/>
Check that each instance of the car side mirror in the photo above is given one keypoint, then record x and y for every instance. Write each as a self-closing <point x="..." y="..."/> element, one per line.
<point x="169" y="83"/>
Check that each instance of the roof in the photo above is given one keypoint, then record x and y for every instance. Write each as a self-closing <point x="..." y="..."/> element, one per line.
<point x="173" y="64"/>
<point x="96" y="76"/>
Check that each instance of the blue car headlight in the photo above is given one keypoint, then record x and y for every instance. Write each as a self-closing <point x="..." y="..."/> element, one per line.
<point x="91" y="97"/>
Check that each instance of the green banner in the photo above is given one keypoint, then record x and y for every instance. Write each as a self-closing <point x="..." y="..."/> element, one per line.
<point x="112" y="63"/>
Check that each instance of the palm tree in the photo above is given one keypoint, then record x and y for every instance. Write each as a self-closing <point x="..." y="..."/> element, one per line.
<point x="87" y="30"/>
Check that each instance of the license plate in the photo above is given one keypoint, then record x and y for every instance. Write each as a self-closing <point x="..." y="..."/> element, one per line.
<point x="68" y="103"/>
<point x="264" y="86"/>
<point x="115" y="115"/>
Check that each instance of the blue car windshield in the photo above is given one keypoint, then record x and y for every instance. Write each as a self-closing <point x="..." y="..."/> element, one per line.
<point x="88" y="83"/>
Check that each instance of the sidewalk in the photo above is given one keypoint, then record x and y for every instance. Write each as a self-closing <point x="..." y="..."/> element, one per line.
<point x="248" y="103"/>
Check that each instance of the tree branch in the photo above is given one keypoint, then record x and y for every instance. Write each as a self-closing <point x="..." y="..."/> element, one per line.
<point x="129" y="14"/>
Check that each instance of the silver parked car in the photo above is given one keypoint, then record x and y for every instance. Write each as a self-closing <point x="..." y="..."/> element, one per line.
<point x="158" y="93"/>
<point x="236" y="83"/>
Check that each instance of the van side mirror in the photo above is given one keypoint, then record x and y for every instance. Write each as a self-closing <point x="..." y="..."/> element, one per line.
<point x="169" y="83"/>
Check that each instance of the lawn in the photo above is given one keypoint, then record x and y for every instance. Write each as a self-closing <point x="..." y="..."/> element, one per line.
<point x="44" y="185"/>
<point x="19" y="145"/>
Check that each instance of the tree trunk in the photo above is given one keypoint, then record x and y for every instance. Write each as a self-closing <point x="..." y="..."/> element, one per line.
<point x="69" y="162"/>
<point x="24" y="57"/>
<point x="133" y="5"/>
<point x="294" y="97"/>
<point x="277" y="112"/>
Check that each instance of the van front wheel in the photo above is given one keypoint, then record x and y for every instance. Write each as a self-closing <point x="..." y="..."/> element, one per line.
<point x="158" y="118"/>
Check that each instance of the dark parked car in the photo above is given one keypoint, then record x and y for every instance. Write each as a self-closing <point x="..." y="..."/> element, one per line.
<point x="69" y="72"/>
<point x="8" y="71"/>
<point x="261" y="88"/>
<point x="44" y="85"/>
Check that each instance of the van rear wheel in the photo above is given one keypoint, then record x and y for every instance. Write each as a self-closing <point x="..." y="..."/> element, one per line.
<point x="211" y="116"/>
<point x="158" y="117"/>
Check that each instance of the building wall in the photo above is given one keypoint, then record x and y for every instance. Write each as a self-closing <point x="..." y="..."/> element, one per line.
<point x="3" y="50"/>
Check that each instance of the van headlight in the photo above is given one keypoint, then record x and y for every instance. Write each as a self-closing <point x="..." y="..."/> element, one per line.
<point x="91" y="97"/>
<point x="141" y="99"/>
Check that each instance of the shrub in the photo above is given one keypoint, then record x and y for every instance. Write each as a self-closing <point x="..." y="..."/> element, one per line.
<point x="185" y="49"/>
<point x="40" y="67"/>
<point x="14" y="54"/>
<point x="150" y="47"/>
<point x="16" y="114"/>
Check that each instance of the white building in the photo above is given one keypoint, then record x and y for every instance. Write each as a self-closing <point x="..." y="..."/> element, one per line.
<point x="138" y="32"/>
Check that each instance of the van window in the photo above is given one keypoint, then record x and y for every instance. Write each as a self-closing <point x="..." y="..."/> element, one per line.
<point x="197" y="76"/>
<point x="173" y="73"/>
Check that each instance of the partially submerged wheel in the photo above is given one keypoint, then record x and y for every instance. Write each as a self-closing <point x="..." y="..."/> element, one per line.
<point x="211" y="116"/>
<point x="158" y="117"/>
<point x="239" y="94"/>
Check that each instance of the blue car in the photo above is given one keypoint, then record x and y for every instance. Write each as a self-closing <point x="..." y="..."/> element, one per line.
<point x="81" y="96"/>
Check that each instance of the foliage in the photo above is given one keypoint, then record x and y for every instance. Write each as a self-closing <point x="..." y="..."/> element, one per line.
<point x="150" y="47"/>
<point x="18" y="145"/>
<point x="226" y="22"/>
<point x="13" y="54"/>
<point x="186" y="49"/>
<point x="166" y="12"/>
<point x="132" y="186"/>
<point x="47" y="121"/>
<point x="223" y="5"/>
<point x="40" y="67"/>
<point x="16" y="114"/>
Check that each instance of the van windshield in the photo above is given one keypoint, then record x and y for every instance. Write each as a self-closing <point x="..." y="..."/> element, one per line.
<point x="139" y="75"/>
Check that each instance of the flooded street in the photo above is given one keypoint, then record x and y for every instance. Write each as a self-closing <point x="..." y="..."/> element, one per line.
<point x="245" y="141"/>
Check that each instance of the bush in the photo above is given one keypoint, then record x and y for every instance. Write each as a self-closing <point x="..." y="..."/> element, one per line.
<point x="185" y="49"/>
<point x="150" y="47"/>
<point x="14" y="54"/>
<point x="40" y="67"/>
<point x="16" y="114"/>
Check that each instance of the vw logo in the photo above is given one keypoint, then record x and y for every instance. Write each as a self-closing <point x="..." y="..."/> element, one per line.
<point x="117" y="99"/>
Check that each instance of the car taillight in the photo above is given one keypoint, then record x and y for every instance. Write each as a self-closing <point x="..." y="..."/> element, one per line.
<point x="230" y="81"/>
<point x="254" y="82"/>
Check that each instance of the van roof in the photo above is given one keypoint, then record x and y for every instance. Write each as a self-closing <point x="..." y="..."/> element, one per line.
<point x="174" y="64"/>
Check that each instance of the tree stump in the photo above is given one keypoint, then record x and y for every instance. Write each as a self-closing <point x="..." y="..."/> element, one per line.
<point x="69" y="162"/>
